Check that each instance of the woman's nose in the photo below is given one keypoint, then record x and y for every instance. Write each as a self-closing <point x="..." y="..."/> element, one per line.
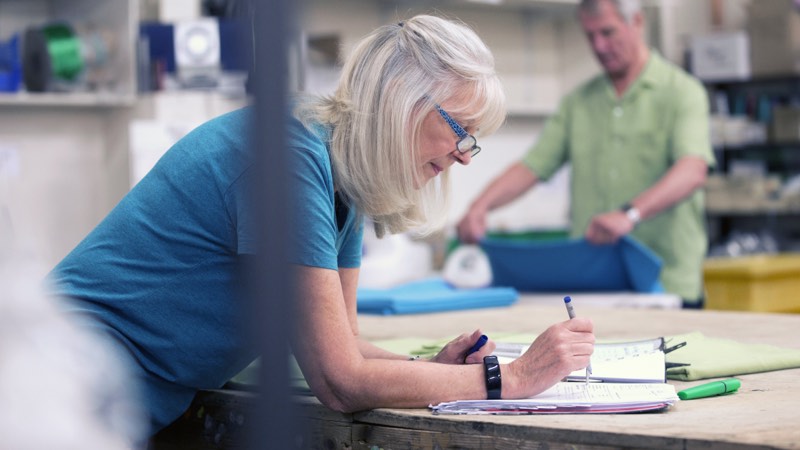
<point x="462" y="158"/>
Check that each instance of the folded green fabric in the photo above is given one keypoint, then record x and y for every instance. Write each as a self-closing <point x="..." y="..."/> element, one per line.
<point x="713" y="357"/>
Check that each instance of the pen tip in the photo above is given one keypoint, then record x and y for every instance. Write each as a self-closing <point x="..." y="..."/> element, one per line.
<point x="567" y="299"/>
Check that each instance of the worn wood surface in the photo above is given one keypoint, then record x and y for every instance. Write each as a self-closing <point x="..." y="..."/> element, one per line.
<point x="763" y="414"/>
<point x="216" y="420"/>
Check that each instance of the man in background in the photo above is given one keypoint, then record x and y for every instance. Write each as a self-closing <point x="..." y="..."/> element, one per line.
<point x="637" y="139"/>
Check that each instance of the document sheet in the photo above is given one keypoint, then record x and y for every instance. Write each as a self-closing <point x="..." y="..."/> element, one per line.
<point x="571" y="398"/>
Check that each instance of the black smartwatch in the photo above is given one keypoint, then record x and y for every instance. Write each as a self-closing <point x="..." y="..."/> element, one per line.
<point x="491" y="369"/>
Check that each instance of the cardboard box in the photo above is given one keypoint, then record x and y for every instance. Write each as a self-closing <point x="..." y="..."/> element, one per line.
<point x="786" y="124"/>
<point x="773" y="27"/>
<point x="721" y="56"/>
<point x="766" y="283"/>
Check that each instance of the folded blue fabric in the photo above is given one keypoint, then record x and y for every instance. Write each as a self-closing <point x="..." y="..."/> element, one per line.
<point x="431" y="295"/>
<point x="573" y="265"/>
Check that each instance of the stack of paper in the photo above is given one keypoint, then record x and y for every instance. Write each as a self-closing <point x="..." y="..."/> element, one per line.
<point x="572" y="398"/>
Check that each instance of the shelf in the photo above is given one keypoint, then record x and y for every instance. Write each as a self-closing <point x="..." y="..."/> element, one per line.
<point x="770" y="80"/>
<point x="563" y="8"/>
<point x="76" y="99"/>
<point x="756" y="211"/>
<point x="765" y="147"/>
<point x="530" y="112"/>
<point x="113" y="22"/>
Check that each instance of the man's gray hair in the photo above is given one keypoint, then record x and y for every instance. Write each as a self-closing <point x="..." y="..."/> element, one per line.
<point x="626" y="8"/>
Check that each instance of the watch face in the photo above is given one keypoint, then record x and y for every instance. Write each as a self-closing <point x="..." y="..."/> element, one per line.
<point x="633" y="215"/>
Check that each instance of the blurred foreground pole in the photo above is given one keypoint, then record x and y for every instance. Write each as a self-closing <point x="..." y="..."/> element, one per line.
<point x="276" y="424"/>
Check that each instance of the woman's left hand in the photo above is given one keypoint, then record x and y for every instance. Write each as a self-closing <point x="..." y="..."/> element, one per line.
<point x="455" y="352"/>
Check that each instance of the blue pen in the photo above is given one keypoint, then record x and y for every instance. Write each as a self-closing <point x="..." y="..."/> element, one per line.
<point x="477" y="346"/>
<point x="571" y="312"/>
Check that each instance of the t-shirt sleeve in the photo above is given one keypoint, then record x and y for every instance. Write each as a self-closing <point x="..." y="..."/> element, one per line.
<point x="312" y="226"/>
<point x="311" y="221"/>
<point x="351" y="250"/>
<point x="550" y="151"/>
<point x="310" y="211"/>
<point x="691" y="135"/>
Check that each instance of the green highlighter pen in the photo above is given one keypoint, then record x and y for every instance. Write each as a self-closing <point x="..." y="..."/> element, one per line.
<point x="710" y="389"/>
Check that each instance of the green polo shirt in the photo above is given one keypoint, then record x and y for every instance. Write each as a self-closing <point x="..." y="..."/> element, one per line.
<point x="619" y="147"/>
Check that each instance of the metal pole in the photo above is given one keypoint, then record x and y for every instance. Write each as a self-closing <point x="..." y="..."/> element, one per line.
<point x="276" y="424"/>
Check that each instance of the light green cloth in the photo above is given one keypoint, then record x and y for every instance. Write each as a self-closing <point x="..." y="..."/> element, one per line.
<point x="713" y="357"/>
<point x="619" y="147"/>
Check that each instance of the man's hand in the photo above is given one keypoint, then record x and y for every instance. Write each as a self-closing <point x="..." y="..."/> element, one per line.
<point x="472" y="227"/>
<point x="608" y="227"/>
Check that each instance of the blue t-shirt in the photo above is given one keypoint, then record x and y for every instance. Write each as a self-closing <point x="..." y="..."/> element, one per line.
<point x="159" y="275"/>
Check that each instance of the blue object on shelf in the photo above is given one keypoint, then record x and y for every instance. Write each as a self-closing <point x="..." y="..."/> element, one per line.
<point x="431" y="295"/>
<point x="232" y="35"/>
<point x="10" y="65"/>
<point x="574" y="265"/>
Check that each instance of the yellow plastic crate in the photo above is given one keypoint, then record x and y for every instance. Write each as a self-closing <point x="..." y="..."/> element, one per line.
<point x="768" y="283"/>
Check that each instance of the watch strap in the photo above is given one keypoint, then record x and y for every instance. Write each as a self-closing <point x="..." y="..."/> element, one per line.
<point x="491" y="370"/>
<point x="632" y="213"/>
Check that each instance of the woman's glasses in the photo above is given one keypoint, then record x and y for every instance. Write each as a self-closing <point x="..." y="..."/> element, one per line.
<point x="466" y="142"/>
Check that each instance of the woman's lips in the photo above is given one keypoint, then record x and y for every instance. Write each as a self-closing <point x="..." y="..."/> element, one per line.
<point x="436" y="169"/>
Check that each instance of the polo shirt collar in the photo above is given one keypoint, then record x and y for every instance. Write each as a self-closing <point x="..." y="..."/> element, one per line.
<point x="651" y="76"/>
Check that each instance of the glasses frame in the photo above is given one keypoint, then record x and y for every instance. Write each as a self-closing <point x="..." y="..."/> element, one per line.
<point x="466" y="142"/>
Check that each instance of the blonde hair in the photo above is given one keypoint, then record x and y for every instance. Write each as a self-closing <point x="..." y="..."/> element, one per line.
<point x="389" y="83"/>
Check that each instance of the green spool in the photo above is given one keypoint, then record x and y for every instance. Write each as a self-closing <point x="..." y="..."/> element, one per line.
<point x="65" y="51"/>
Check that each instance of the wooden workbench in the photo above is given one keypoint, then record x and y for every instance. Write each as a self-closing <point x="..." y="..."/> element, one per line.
<point x="763" y="414"/>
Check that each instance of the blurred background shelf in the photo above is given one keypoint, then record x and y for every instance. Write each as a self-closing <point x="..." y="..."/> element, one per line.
<point x="72" y="99"/>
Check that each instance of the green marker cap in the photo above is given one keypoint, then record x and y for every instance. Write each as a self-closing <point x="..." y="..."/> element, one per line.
<point x="710" y="389"/>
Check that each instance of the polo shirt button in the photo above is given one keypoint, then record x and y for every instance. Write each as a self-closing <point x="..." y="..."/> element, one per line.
<point x="617" y="111"/>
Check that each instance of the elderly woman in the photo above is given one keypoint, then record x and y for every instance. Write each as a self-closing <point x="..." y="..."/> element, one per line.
<point x="159" y="275"/>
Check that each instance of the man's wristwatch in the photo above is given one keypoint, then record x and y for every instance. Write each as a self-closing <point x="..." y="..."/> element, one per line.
<point x="632" y="213"/>
<point x="491" y="368"/>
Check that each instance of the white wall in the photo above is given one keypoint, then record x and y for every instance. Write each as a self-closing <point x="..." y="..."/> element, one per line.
<point x="62" y="183"/>
<point x="545" y="207"/>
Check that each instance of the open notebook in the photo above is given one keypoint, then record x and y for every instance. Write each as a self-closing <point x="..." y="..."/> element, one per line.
<point x="626" y="377"/>
<point x="623" y="362"/>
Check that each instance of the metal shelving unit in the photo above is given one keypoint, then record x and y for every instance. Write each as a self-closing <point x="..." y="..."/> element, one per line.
<point x="118" y="21"/>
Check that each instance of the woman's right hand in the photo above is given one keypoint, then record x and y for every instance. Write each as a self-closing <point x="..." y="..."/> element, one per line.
<point x="563" y="348"/>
